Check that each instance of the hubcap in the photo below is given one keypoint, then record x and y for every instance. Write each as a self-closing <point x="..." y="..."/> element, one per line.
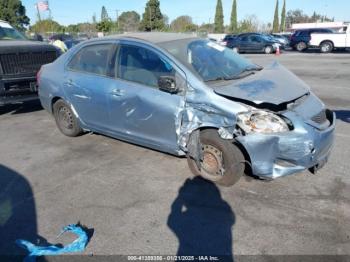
<point x="65" y="118"/>
<point x="326" y="47"/>
<point x="212" y="161"/>
<point x="301" y="46"/>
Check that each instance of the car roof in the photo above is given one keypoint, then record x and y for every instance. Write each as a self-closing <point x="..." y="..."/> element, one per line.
<point x="153" y="37"/>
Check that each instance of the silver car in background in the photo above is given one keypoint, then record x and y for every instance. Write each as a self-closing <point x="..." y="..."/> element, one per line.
<point x="190" y="97"/>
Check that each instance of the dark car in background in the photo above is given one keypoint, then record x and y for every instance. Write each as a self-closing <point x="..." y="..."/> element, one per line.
<point x="300" y="38"/>
<point x="253" y="42"/>
<point x="227" y="40"/>
<point x="283" y="40"/>
<point x="20" y="60"/>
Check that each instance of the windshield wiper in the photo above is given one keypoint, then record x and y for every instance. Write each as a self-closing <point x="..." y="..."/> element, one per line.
<point x="244" y="73"/>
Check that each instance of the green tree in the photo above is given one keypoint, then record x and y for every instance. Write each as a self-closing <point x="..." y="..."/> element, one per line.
<point x="47" y="26"/>
<point x="14" y="12"/>
<point x="72" y="29"/>
<point x="233" y="25"/>
<point x="183" y="23"/>
<point x="275" y="27"/>
<point x="104" y="14"/>
<point x="283" y="17"/>
<point x="207" y="28"/>
<point x="129" y="21"/>
<point x="105" y="26"/>
<point x="219" y="18"/>
<point x="152" y="18"/>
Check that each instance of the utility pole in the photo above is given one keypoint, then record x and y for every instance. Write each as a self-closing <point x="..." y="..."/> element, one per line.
<point x="117" y="11"/>
<point x="37" y="9"/>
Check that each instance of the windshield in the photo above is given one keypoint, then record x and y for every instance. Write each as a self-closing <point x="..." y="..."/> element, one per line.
<point x="208" y="59"/>
<point x="8" y="33"/>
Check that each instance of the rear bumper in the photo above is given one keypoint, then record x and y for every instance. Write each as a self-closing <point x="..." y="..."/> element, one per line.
<point x="278" y="155"/>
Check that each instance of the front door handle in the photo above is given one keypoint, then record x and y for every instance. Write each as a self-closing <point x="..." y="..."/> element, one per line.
<point x="117" y="92"/>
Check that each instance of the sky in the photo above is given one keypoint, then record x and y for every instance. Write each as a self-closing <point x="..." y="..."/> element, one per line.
<point x="202" y="11"/>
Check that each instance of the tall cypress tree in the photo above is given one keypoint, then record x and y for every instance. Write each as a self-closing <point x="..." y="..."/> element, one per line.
<point x="233" y="25"/>
<point x="275" y="27"/>
<point x="104" y="14"/>
<point x="152" y="18"/>
<point x="219" y="18"/>
<point x="283" y="17"/>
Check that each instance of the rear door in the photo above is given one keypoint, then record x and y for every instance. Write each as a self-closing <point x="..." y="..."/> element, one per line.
<point x="88" y="82"/>
<point x="139" y="111"/>
<point x="244" y="43"/>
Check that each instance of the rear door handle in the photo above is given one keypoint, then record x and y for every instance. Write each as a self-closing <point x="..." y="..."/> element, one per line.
<point x="117" y="92"/>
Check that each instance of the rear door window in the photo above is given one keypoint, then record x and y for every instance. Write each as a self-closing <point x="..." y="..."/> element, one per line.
<point x="92" y="59"/>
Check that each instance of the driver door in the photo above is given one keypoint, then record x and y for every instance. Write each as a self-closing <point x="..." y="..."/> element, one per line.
<point x="139" y="111"/>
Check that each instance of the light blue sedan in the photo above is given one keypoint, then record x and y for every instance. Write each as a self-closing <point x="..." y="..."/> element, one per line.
<point x="190" y="97"/>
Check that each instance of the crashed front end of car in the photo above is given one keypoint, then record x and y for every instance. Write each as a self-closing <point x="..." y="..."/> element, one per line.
<point x="288" y="142"/>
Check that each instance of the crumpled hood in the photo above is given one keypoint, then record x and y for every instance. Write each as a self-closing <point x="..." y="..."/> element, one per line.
<point x="274" y="84"/>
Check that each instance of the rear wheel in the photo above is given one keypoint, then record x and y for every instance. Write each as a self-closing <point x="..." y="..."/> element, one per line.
<point x="65" y="119"/>
<point x="222" y="161"/>
<point x="301" y="46"/>
<point x="326" y="47"/>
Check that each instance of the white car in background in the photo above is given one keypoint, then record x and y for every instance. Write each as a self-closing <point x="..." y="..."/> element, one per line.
<point x="328" y="42"/>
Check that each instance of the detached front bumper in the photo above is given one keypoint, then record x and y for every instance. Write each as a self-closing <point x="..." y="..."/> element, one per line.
<point x="282" y="154"/>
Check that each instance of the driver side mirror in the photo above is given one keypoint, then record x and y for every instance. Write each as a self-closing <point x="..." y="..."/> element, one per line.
<point x="168" y="84"/>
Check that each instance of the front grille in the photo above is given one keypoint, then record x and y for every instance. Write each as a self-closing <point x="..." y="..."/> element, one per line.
<point x="320" y="118"/>
<point x="25" y="63"/>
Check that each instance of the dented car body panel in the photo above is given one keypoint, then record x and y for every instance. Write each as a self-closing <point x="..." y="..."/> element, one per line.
<point x="171" y="122"/>
<point x="268" y="86"/>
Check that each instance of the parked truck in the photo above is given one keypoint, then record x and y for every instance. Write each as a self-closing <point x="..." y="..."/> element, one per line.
<point x="328" y="42"/>
<point x="20" y="60"/>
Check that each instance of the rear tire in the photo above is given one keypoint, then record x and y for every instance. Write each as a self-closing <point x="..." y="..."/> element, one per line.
<point x="66" y="121"/>
<point x="223" y="162"/>
<point x="326" y="47"/>
<point x="301" y="46"/>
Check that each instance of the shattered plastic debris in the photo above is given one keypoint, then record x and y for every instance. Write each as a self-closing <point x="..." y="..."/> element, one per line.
<point x="77" y="245"/>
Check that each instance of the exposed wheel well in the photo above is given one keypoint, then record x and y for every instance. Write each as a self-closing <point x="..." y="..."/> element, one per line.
<point x="324" y="41"/>
<point x="53" y="101"/>
<point x="248" y="168"/>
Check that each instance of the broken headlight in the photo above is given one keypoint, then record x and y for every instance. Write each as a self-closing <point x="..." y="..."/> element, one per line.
<point x="259" y="121"/>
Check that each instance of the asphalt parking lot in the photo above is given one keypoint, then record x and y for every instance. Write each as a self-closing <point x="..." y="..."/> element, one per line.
<point x="133" y="197"/>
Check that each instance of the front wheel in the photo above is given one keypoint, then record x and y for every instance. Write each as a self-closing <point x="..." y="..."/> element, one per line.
<point x="327" y="47"/>
<point x="65" y="119"/>
<point x="222" y="161"/>
<point x="268" y="49"/>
